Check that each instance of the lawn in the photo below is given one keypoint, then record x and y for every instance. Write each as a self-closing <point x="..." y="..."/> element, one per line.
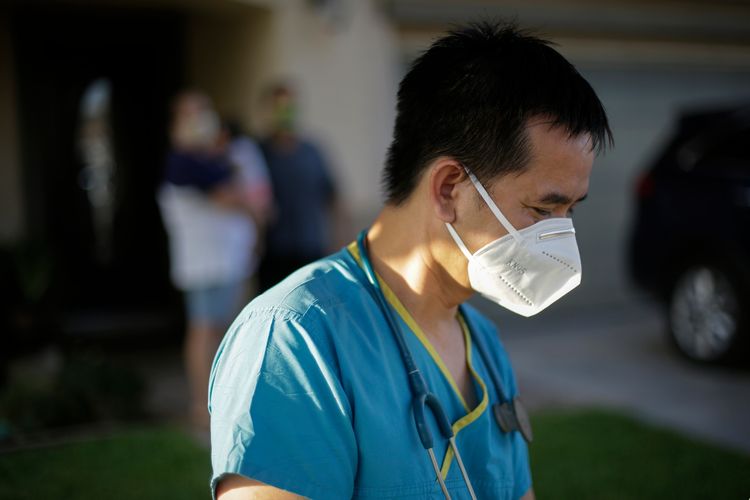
<point x="149" y="463"/>
<point x="601" y="455"/>
<point x="576" y="455"/>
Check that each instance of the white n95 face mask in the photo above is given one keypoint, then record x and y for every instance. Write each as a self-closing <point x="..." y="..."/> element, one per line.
<point x="524" y="271"/>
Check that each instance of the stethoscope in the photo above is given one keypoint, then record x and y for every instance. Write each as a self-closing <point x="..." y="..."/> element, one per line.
<point x="509" y="414"/>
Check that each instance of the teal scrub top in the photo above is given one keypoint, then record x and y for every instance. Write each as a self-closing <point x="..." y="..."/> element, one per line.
<point x="308" y="393"/>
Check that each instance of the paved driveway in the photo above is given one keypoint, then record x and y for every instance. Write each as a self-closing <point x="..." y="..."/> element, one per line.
<point x="617" y="356"/>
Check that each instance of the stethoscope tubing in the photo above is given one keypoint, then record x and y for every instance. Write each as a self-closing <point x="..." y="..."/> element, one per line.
<point x="419" y="385"/>
<point x="421" y="396"/>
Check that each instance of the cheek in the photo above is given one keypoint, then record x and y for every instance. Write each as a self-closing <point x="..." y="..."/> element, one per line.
<point x="522" y="217"/>
<point x="484" y="230"/>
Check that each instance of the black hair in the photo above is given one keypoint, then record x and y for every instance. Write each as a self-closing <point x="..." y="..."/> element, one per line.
<point x="280" y="88"/>
<point x="470" y="95"/>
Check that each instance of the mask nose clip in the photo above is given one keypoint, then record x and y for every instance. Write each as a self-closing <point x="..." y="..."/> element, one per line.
<point x="555" y="234"/>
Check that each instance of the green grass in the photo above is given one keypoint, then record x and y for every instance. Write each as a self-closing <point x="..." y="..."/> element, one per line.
<point x="581" y="454"/>
<point x="151" y="463"/>
<point x="600" y="455"/>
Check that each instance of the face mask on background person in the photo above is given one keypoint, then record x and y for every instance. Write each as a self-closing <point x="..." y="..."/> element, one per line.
<point x="285" y="117"/>
<point x="524" y="271"/>
<point x="198" y="130"/>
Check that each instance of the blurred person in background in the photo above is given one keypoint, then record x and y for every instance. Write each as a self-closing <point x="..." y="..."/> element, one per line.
<point x="366" y="374"/>
<point x="306" y="202"/>
<point x="211" y="217"/>
<point x="247" y="158"/>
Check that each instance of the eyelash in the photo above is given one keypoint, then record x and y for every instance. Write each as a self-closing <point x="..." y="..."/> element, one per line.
<point x="547" y="213"/>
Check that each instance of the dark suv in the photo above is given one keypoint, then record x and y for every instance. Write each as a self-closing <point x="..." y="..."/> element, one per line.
<point x="691" y="236"/>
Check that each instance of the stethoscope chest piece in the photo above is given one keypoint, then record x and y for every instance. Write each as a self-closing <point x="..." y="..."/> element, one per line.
<point x="511" y="416"/>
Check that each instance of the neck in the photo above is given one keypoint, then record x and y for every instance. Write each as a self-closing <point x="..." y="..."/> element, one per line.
<point x="406" y="260"/>
<point x="284" y="139"/>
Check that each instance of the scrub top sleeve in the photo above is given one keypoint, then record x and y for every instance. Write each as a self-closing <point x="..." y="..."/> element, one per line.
<point x="279" y="414"/>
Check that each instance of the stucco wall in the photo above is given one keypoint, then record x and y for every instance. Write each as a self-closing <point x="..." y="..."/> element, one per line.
<point x="227" y="56"/>
<point x="346" y="72"/>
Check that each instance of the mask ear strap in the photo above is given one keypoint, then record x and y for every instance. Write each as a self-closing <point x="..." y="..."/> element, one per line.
<point x="458" y="240"/>
<point x="493" y="208"/>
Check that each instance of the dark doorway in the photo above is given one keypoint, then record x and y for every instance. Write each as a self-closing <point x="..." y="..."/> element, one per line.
<point x="94" y="87"/>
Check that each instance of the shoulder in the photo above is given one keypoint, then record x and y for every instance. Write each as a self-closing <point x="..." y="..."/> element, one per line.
<point x="309" y="306"/>
<point x="289" y="333"/>
<point x="279" y="411"/>
<point x="311" y="148"/>
<point x="328" y="283"/>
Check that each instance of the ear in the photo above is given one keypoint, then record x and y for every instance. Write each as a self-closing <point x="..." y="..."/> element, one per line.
<point x="444" y="185"/>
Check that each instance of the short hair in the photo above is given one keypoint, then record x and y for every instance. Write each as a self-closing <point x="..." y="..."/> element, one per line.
<point x="470" y="96"/>
<point x="279" y="88"/>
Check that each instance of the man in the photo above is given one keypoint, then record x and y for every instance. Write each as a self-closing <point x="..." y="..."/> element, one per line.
<point x="306" y="202"/>
<point x="493" y="146"/>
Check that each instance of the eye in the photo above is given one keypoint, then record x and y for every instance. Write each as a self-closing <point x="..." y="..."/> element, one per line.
<point x="541" y="211"/>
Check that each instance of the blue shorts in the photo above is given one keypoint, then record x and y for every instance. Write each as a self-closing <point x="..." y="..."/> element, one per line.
<point x="215" y="305"/>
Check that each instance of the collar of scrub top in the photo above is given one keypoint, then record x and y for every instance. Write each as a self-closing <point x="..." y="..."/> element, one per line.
<point x="421" y="397"/>
<point x="509" y="414"/>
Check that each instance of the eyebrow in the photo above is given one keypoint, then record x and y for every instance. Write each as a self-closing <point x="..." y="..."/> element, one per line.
<point x="559" y="199"/>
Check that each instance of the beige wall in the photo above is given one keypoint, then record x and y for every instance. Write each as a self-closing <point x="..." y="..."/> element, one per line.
<point x="227" y="55"/>
<point x="11" y="206"/>
<point x="348" y="78"/>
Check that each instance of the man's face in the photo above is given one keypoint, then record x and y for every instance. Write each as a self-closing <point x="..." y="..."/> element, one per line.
<point x="554" y="181"/>
<point x="284" y="112"/>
